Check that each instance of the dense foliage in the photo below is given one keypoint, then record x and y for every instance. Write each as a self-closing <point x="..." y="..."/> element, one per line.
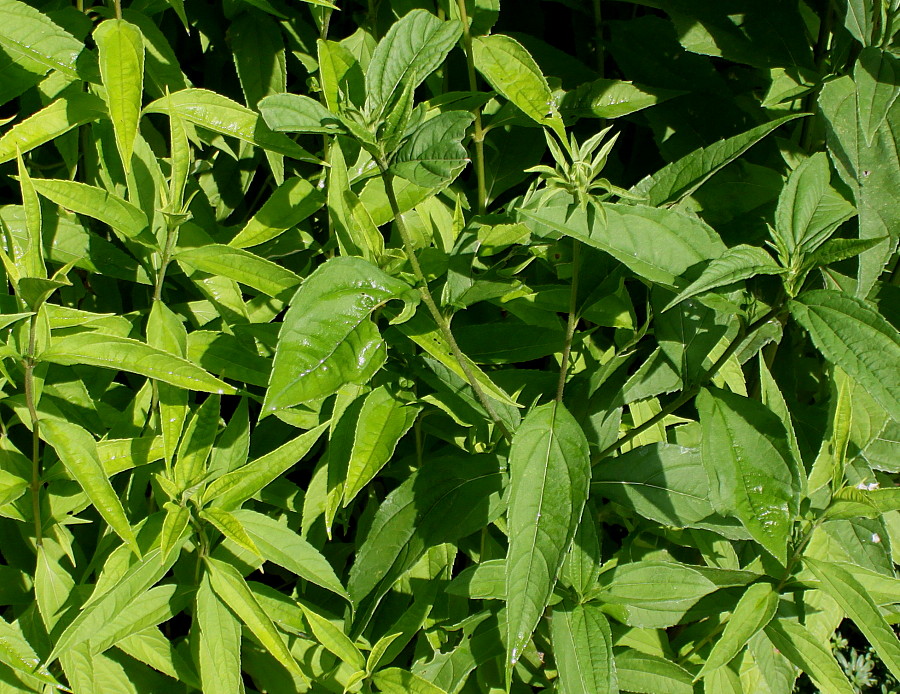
<point x="413" y="346"/>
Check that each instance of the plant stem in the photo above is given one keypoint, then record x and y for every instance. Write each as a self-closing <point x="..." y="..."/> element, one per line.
<point x="35" y="432"/>
<point x="432" y="306"/>
<point x="691" y="392"/>
<point x="118" y="6"/>
<point x="164" y="260"/>
<point x="571" y="322"/>
<point x="478" y="136"/>
<point x="598" y="21"/>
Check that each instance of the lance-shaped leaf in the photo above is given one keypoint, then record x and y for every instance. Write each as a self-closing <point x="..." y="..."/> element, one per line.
<point x="127" y="220"/>
<point x="655" y="243"/>
<point x="222" y="115"/>
<point x="121" y="48"/>
<point x="291" y="203"/>
<point x="433" y="154"/>
<point x="857" y="338"/>
<point x="605" y="98"/>
<point x="411" y="50"/>
<point x="124" y="354"/>
<point x="50" y="122"/>
<point x="754" y="610"/>
<point x="877" y="74"/>
<point x="550" y="473"/>
<point x="632" y="592"/>
<point x="751" y="471"/>
<point x="77" y="450"/>
<point x="797" y="644"/>
<point x="679" y="179"/>
<point x="19" y="655"/>
<point x="231" y="587"/>
<point x="855" y="600"/>
<point x="333" y="638"/>
<point x="582" y="646"/>
<point x="34" y="40"/>
<point x="242" y="266"/>
<point x="233" y="488"/>
<point x="297" y="113"/>
<point x="280" y="545"/>
<point x="663" y="482"/>
<point x="735" y="264"/>
<point x="102" y="608"/>
<point x="333" y="304"/>
<point x="218" y="642"/>
<point x="339" y="72"/>
<point x="383" y="420"/>
<point x="509" y="68"/>
<point x="649" y="674"/>
<point x="257" y="47"/>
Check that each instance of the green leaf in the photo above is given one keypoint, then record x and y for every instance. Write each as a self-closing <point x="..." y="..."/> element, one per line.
<point x="582" y="564"/>
<point x="794" y="641"/>
<point x="128" y="221"/>
<point x="396" y="681"/>
<point x="174" y="525"/>
<point x="231" y="587"/>
<point x="197" y="443"/>
<point x="332" y="305"/>
<point x="218" y="642"/>
<point x="280" y="545"/>
<point x="650" y="674"/>
<point x="735" y="264"/>
<point x="871" y="172"/>
<point x="483" y="581"/>
<point x="124" y="354"/>
<point x="226" y="117"/>
<point x="291" y="203"/>
<point x="50" y="122"/>
<point x="382" y="422"/>
<point x="154" y="649"/>
<point x="414" y="517"/>
<point x="754" y="610"/>
<point x="356" y="232"/>
<point x="34" y="40"/>
<point x="855" y="337"/>
<point x="232" y="489"/>
<point x="411" y="50"/>
<point x="121" y="49"/>
<point x="159" y="604"/>
<point x="853" y="598"/>
<point x="433" y="154"/>
<point x="102" y="607"/>
<point x="877" y="74"/>
<point x="339" y="72"/>
<point x="258" y="51"/>
<point x="510" y="69"/>
<point x="751" y="471"/>
<point x="296" y="113"/>
<point x="19" y="655"/>
<point x="679" y="241"/>
<point x="632" y="592"/>
<point x="681" y="178"/>
<point x="550" y="473"/>
<point x="606" y="98"/>
<point x="582" y="645"/>
<point x="663" y="482"/>
<point x="242" y="266"/>
<point x="77" y="450"/>
<point x="230" y="527"/>
<point x="333" y="638"/>
<point x="33" y="253"/>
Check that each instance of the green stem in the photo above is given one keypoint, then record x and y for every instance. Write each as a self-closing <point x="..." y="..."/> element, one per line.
<point x="30" y="401"/>
<point x="478" y="135"/>
<point x="118" y="6"/>
<point x="797" y="553"/>
<point x="821" y="51"/>
<point x="432" y="306"/>
<point x="691" y="392"/>
<point x="570" y="323"/>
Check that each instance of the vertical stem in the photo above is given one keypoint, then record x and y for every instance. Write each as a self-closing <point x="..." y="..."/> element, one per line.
<point x="429" y="301"/>
<point x="118" y="5"/>
<point x="598" y="23"/>
<point x="571" y="322"/>
<point x="35" y="432"/>
<point x="478" y="136"/>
